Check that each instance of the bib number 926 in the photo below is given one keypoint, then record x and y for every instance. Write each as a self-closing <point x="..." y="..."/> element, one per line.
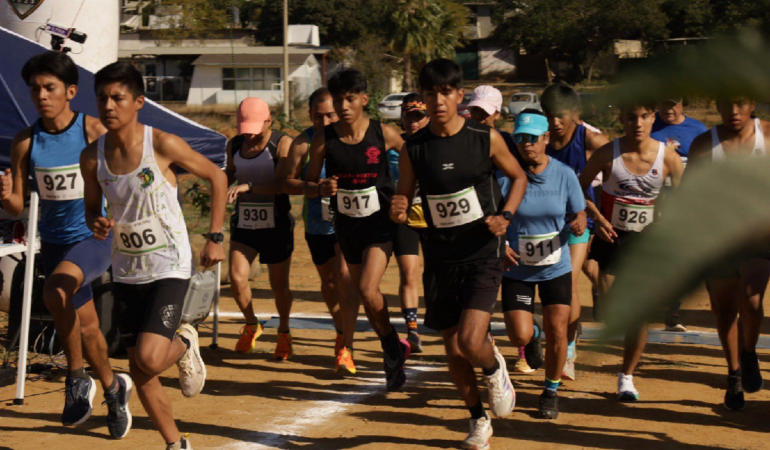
<point x="631" y="217"/>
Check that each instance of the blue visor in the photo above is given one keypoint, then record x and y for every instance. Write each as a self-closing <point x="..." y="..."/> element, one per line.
<point x="533" y="124"/>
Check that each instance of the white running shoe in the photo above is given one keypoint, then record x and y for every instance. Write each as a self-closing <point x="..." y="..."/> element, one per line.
<point x="481" y="432"/>
<point x="502" y="396"/>
<point x="192" y="371"/>
<point x="626" y="390"/>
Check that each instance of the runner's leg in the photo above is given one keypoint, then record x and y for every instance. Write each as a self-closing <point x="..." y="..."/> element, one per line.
<point x="57" y="295"/>
<point x="578" y="254"/>
<point x="754" y="277"/>
<point x="241" y="258"/>
<point x="350" y="299"/>
<point x="151" y="392"/>
<point x="723" y="293"/>
<point x="367" y="277"/>
<point x="555" y="321"/>
<point x="279" y="283"/>
<point x="329" y="290"/>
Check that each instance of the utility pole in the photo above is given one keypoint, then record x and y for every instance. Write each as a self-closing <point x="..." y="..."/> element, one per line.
<point x="286" y="94"/>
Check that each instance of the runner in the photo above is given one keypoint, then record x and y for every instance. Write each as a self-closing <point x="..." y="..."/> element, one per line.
<point x="406" y="243"/>
<point x="634" y="168"/>
<point x="71" y="258"/>
<point x="133" y="166"/>
<point x="571" y="143"/>
<point x="676" y="130"/>
<point x="336" y="287"/>
<point x="262" y="224"/>
<point x="454" y="160"/>
<point x="354" y="150"/>
<point x="537" y="252"/>
<point x="737" y="289"/>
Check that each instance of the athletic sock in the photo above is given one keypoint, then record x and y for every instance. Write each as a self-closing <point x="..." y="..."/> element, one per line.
<point x="477" y="411"/>
<point x="185" y="341"/>
<point x="492" y="369"/>
<point x="536" y="331"/>
<point x="114" y="387"/>
<point x="571" y="349"/>
<point x="390" y="344"/>
<point x="78" y="373"/>
<point x="410" y="316"/>
<point x="552" y="385"/>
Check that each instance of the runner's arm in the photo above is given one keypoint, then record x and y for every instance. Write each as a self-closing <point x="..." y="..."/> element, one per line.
<point x="393" y="139"/>
<point x="594" y="141"/>
<point x="313" y="185"/>
<point x="399" y="205"/>
<point x="230" y="165"/>
<point x="94" y="128"/>
<point x="14" y="180"/>
<point x="674" y="166"/>
<point x="600" y="159"/>
<point x="290" y="167"/>
<point x="92" y="195"/>
<point x="700" y="150"/>
<point x="506" y="162"/>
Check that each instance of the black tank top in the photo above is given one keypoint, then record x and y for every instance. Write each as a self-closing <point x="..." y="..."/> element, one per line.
<point x="448" y="165"/>
<point x="281" y="201"/>
<point x="360" y="166"/>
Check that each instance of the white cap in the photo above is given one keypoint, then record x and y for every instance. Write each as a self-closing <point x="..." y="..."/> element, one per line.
<point x="487" y="98"/>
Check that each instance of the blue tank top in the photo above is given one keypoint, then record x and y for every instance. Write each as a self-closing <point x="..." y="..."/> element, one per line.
<point x="55" y="161"/>
<point x="312" y="211"/>
<point x="574" y="155"/>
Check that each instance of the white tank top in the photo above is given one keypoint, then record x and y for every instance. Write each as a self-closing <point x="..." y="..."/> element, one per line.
<point x="718" y="153"/>
<point x="150" y="237"/>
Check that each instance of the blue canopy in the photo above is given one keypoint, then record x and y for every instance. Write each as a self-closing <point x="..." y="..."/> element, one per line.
<point x="17" y="111"/>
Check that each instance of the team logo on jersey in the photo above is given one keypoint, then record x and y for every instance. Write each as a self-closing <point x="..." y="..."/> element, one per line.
<point x="655" y="172"/>
<point x="24" y="8"/>
<point x="146" y="177"/>
<point x="373" y="153"/>
<point x="449" y="166"/>
<point x="673" y="144"/>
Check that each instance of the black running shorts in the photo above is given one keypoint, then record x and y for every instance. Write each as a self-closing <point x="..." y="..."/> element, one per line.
<point x="606" y="253"/>
<point x="274" y="245"/>
<point x="520" y="295"/>
<point x="407" y="240"/>
<point x="321" y="247"/>
<point x="356" y="236"/>
<point x="154" y="307"/>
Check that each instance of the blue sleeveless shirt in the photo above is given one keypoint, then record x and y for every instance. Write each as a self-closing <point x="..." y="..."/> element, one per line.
<point x="312" y="211"/>
<point x="54" y="160"/>
<point x="574" y="155"/>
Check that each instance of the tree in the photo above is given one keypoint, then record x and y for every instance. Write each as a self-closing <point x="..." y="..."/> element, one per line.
<point x="185" y="19"/>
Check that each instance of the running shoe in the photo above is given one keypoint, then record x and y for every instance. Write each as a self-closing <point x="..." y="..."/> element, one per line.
<point x="395" y="377"/>
<point x="674" y="324"/>
<point x="118" y="414"/>
<point x="568" y="372"/>
<point x="521" y="365"/>
<point x="183" y="444"/>
<point x="549" y="405"/>
<point x="414" y="341"/>
<point x="751" y="377"/>
<point x="626" y="390"/>
<point x="339" y="342"/>
<point x="344" y="361"/>
<point x="481" y="432"/>
<point x="502" y="396"/>
<point x="734" y="400"/>
<point x="78" y="400"/>
<point x="283" y="348"/>
<point x="533" y="351"/>
<point x="192" y="371"/>
<point x="247" y="342"/>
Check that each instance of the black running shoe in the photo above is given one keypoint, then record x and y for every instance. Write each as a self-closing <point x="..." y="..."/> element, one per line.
<point x="533" y="351"/>
<point x="395" y="377"/>
<point x="751" y="377"/>
<point x="549" y="405"/>
<point x="734" y="396"/>
<point x="118" y="414"/>
<point x="78" y="400"/>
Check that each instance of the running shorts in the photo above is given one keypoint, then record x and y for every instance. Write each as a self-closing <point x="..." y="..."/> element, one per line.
<point x="321" y="247"/>
<point x="274" y="245"/>
<point x="520" y="295"/>
<point x="154" y="307"/>
<point x="355" y="237"/>
<point x="406" y="241"/>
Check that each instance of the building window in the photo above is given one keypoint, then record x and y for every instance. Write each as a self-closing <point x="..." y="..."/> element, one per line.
<point x="251" y="79"/>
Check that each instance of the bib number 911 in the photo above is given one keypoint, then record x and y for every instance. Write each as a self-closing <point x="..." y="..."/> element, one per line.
<point x="140" y="237"/>
<point x="540" y="250"/>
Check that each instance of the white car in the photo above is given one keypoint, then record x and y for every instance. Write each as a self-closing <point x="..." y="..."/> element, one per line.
<point x="390" y="106"/>
<point x="521" y="101"/>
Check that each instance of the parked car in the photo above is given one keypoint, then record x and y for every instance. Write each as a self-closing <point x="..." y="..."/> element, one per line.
<point x="462" y="108"/>
<point x="521" y="101"/>
<point x="390" y="106"/>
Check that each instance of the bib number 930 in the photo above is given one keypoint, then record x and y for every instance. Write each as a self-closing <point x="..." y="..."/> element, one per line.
<point x="140" y="237"/>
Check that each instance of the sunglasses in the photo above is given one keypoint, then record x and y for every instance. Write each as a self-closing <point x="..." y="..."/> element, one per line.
<point x="525" y="138"/>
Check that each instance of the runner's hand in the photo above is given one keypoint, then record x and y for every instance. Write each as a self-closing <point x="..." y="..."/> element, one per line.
<point x="511" y="257"/>
<point x="497" y="225"/>
<point x="398" y="206"/>
<point x="6" y="185"/>
<point x="329" y="187"/>
<point x="102" y="227"/>
<point x="604" y="230"/>
<point x="578" y="224"/>
<point x="235" y="191"/>
<point x="212" y="253"/>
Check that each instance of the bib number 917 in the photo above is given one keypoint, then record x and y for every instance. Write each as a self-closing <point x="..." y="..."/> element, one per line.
<point x="358" y="203"/>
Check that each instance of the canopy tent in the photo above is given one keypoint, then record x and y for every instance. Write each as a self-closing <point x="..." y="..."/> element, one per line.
<point x="17" y="112"/>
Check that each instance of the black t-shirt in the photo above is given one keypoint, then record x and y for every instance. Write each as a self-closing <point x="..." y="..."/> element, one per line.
<point x="449" y="165"/>
<point x="360" y="166"/>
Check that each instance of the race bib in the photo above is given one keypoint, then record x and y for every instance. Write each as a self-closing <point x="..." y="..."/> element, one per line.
<point x="631" y="217"/>
<point x="359" y="202"/>
<point x="141" y="237"/>
<point x="256" y="216"/>
<point x="327" y="213"/>
<point x="540" y="250"/>
<point x="453" y="210"/>
<point x="59" y="183"/>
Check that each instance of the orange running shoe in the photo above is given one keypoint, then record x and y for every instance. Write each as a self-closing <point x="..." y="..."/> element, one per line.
<point x="338" y="344"/>
<point x="247" y="342"/>
<point x="345" y="361"/>
<point x="283" y="349"/>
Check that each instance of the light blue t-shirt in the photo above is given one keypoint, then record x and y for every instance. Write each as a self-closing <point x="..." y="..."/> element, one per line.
<point x="542" y="212"/>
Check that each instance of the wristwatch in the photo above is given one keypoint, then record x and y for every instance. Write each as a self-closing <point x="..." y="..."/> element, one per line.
<point x="216" y="238"/>
<point x="507" y="215"/>
<point x="250" y="185"/>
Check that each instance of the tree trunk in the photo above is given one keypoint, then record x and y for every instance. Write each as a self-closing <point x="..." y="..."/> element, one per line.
<point x="548" y="72"/>
<point x="406" y="85"/>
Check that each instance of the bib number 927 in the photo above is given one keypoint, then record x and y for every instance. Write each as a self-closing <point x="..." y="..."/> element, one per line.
<point x="140" y="237"/>
<point x="59" y="183"/>
<point x="631" y="217"/>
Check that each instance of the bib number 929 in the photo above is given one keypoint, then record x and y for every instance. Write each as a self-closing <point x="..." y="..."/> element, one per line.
<point x="455" y="209"/>
<point x="631" y="217"/>
<point x="140" y="237"/>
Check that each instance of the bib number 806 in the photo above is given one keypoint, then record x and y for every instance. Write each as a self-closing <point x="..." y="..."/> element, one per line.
<point x="453" y="209"/>
<point x="138" y="241"/>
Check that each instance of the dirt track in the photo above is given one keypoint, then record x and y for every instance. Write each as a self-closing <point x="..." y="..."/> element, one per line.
<point x="253" y="402"/>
